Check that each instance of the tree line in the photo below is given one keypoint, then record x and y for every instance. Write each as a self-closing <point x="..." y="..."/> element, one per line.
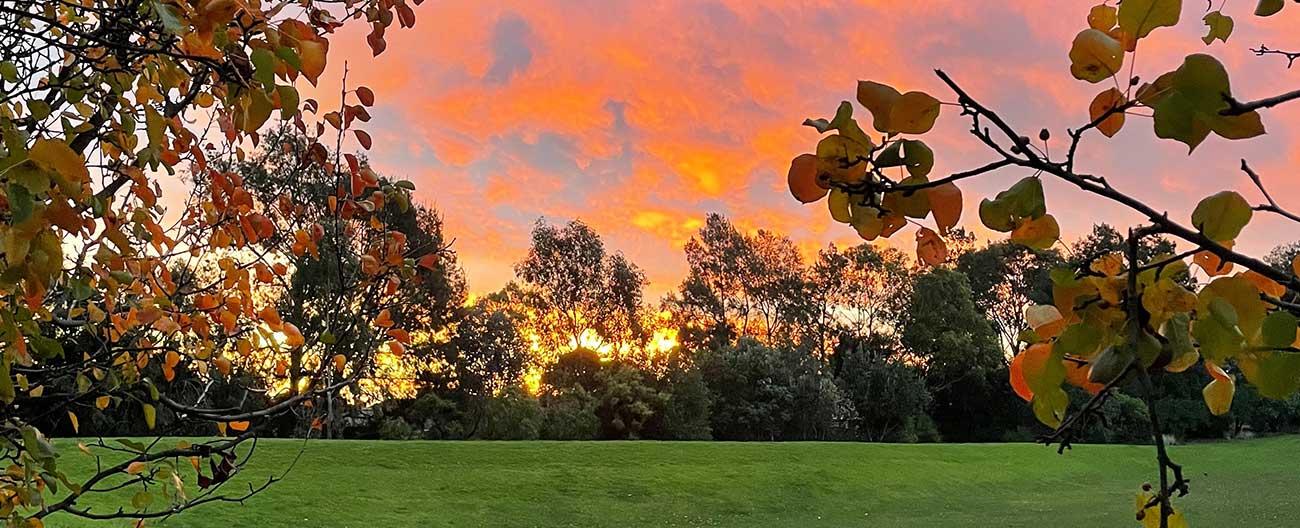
<point x="756" y="343"/>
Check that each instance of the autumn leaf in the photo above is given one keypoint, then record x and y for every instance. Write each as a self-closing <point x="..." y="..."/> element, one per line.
<point x="1140" y="17"/>
<point x="946" y="205"/>
<point x="1102" y="17"/>
<point x="366" y="96"/>
<point x="1219" y="26"/>
<point x="1095" y="56"/>
<point x="930" y="248"/>
<point x="1222" y="216"/>
<point x="879" y="99"/>
<point x="914" y="113"/>
<point x="803" y="181"/>
<point x="1105" y="102"/>
<point x="1218" y="393"/>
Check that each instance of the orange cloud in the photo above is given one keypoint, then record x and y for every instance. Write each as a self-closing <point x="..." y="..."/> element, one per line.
<point x="643" y="117"/>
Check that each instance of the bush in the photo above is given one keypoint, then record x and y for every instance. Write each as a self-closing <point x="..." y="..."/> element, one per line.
<point x="512" y="415"/>
<point x="394" y="428"/>
<point x="1127" y="420"/>
<point x="569" y="415"/>
<point x="685" y="413"/>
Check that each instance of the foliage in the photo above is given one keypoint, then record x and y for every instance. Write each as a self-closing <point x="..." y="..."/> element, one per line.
<point x="688" y="405"/>
<point x="98" y="102"/>
<point x="889" y="396"/>
<point x="1116" y="315"/>
<point x="741" y="285"/>
<point x="511" y="415"/>
<point x="574" y="286"/>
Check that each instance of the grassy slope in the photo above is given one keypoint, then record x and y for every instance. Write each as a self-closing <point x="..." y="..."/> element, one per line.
<point x="426" y="484"/>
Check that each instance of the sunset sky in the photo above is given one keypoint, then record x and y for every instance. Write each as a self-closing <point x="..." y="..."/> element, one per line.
<point x="640" y="118"/>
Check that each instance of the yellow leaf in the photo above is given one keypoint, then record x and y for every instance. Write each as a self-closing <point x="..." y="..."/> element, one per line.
<point x="1102" y="17"/>
<point x="914" y="113"/>
<point x="76" y="425"/>
<point x="102" y="402"/>
<point x="1095" y="56"/>
<point x="150" y="416"/>
<point x="1037" y="233"/>
<point x="1218" y="394"/>
<point x="68" y="166"/>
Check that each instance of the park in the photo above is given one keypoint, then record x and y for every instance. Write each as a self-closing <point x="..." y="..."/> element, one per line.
<point x="616" y="263"/>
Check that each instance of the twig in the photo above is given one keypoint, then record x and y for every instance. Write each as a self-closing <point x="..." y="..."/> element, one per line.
<point x="1272" y="206"/>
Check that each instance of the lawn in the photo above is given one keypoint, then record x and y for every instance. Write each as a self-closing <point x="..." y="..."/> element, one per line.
<point x="544" y="484"/>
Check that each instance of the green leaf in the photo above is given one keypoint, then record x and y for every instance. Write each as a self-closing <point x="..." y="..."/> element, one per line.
<point x="20" y="203"/>
<point x="263" y="67"/>
<point x="170" y="17"/>
<point x="141" y="500"/>
<point x="8" y="71"/>
<point x="288" y="100"/>
<point x="1266" y="8"/>
<point x="911" y="153"/>
<point x="1049" y="406"/>
<point x="1220" y="27"/>
<point x="7" y="394"/>
<point x="1095" y="56"/>
<point x="1279" y="329"/>
<point x="150" y="415"/>
<point x="1140" y="17"/>
<point x="289" y="56"/>
<point x="1217" y="332"/>
<point x="46" y="347"/>
<point x="1222" y="215"/>
<point x="1194" y="94"/>
<point x="1275" y="374"/>
<point x="1080" y="340"/>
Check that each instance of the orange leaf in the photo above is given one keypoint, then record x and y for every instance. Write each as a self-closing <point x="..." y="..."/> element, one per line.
<point x="945" y="204"/>
<point x="400" y="335"/>
<point x="930" y="249"/>
<point x="339" y="362"/>
<point x="239" y="426"/>
<point x="1269" y="286"/>
<point x="1018" y="383"/>
<point x="1104" y="102"/>
<point x="384" y="319"/>
<point x="292" y="336"/>
<point x="803" y="181"/>
<point x="1077" y="374"/>
<point x="429" y="261"/>
<point x="1211" y="263"/>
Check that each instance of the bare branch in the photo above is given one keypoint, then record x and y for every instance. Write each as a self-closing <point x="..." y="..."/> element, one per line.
<point x="1236" y="107"/>
<point x="1272" y="206"/>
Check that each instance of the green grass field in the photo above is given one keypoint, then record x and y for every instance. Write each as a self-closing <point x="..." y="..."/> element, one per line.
<point x="544" y="484"/>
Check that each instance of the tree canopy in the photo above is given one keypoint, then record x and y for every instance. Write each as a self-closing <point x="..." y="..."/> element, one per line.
<point x="1117" y="311"/>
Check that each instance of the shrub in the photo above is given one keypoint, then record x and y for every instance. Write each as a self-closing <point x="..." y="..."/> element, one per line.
<point x="512" y="415"/>
<point x="394" y="428"/>
<point x="569" y="415"/>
